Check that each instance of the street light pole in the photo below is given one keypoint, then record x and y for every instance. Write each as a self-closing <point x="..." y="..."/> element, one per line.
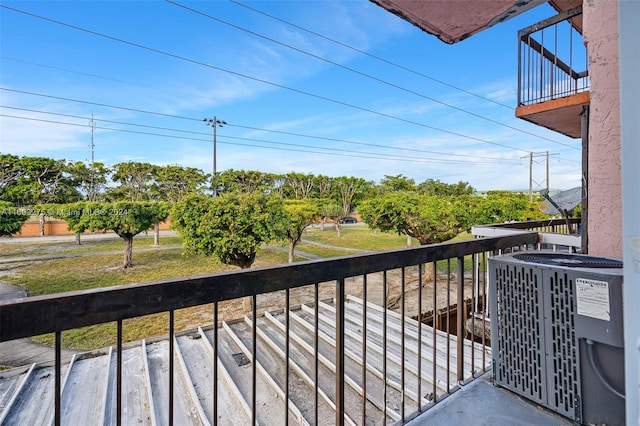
<point x="215" y="123"/>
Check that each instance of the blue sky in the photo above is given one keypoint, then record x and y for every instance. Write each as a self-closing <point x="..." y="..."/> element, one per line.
<point x="287" y="110"/>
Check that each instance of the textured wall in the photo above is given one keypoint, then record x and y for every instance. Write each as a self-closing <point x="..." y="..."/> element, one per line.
<point x="605" y="191"/>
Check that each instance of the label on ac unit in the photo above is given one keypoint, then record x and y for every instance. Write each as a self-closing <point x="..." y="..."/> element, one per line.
<point x="592" y="298"/>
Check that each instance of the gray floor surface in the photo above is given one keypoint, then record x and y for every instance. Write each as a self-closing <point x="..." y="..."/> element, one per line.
<point x="480" y="403"/>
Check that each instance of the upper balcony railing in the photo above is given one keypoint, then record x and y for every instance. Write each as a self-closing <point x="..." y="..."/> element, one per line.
<point x="552" y="59"/>
<point x="363" y="364"/>
<point x="553" y="234"/>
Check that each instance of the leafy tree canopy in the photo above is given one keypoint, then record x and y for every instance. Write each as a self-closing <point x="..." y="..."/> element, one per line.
<point x="33" y="180"/>
<point x="506" y="206"/>
<point x="436" y="187"/>
<point x="397" y="183"/>
<point x="11" y="218"/>
<point x="134" y="179"/>
<point x="427" y="218"/>
<point x="230" y="227"/>
<point x="175" y="182"/>
<point x="301" y="214"/>
<point x="248" y="182"/>
<point x="126" y="218"/>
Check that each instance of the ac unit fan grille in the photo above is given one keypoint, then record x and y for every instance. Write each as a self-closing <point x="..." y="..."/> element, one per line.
<point x="574" y="261"/>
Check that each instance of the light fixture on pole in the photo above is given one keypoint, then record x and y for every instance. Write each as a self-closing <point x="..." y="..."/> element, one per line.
<point x="215" y="123"/>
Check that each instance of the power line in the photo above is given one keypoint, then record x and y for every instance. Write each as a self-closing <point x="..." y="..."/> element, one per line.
<point x="330" y="151"/>
<point x="378" y="58"/>
<point x="299" y="91"/>
<point x="117" y="80"/>
<point x="232" y="125"/>
<point x="373" y="144"/>
<point x="366" y="75"/>
<point x="228" y="137"/>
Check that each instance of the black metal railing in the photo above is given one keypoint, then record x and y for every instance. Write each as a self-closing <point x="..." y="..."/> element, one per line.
<point x="556" y="226"/>
<point x="405" y="366"/>
<point x="549" y="53"/>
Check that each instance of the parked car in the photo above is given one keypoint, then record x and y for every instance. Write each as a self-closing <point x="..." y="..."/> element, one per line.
<point x="348" y="219"/>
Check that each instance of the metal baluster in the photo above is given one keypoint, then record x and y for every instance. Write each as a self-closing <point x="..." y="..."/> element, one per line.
<point x="58" y="379"/>
<point x="119" y="374"/>
<point x="340" y="296"/>
<point x="384" y="344"/>
<point x="171" y="355"/>
<point x="316" y="298"/>
<point x="402" y="340"/>
<point x="448" y="324"/>
<point x="473" y="311"/>
<point x="215" y="363"/>
<point x="364" y="349"/>
<point x="419" y="335"/>
<point x="460" y="318"/>
<point x="434" y="334"/>
<point x="254" y="395"/>
<point x="286" y="356"/>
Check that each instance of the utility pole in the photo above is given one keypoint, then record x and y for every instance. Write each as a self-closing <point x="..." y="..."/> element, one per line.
<point x="214" y="123"/>
<point x="531" y="156"/>
<point x="92" y="187"/>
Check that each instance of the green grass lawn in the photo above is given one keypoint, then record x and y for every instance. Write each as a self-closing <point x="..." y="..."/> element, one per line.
<point x="87" y="246"/>
<point x="358" y="237"/>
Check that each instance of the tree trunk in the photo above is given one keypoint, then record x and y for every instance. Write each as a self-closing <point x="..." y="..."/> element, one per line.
<point x="429" y="273"/>
<point x="339" y="229"/>
<point x="409" y="241"/>
<point x="156" y="234"/>
<point x="41" y="220"/>
<point x="324" y="220"/>
<point x="128" y="251"/>
<point x="292" y="250"/>
<point x="78" y="238"/>
<point x="247" y="303"/>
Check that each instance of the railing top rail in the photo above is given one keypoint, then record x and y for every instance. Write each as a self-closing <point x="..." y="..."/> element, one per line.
<point x="531" y="224"/>
<point x="562" y="16"/>
<point x="57" y="312"/>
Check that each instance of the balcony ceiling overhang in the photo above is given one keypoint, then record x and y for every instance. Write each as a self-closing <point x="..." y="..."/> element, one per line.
<point x="455" y="20"/>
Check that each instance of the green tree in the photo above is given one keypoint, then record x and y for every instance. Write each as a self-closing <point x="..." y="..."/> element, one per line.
<point x="299" y="185"/>
<point x="41" y="180"/>
<point x="396" y="183"/>
<point x="436" y="187"/>
<point x="126" y="218"/>
<point x="11" y="170"/>
<point x="248" y="182"/>
<point x="91" y="179"/>
<point x="11" y="218"/>
<point x="301" y="214"/>
<point x="173" y="182"/>
<point x="506" y="206"/>
<point x="426" y="218"/>
<point x="329" y="209"/>
<point x="350" y="191"/>
<point x="135" y="181"/>
<point x="323" y="185"/>
<point x="230" y="227"/>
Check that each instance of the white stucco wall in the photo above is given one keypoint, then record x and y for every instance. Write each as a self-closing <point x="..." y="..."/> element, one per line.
<point x="605" y="191"/>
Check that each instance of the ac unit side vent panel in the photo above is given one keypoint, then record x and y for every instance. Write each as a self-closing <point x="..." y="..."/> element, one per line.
<point x="520" y="341"/>
<point x="562" y="378"/>
<point x="534" y="353"/>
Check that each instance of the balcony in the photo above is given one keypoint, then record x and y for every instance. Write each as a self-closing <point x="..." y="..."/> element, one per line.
<point x="341" y="348"/>
<point x="551" y="93"/>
